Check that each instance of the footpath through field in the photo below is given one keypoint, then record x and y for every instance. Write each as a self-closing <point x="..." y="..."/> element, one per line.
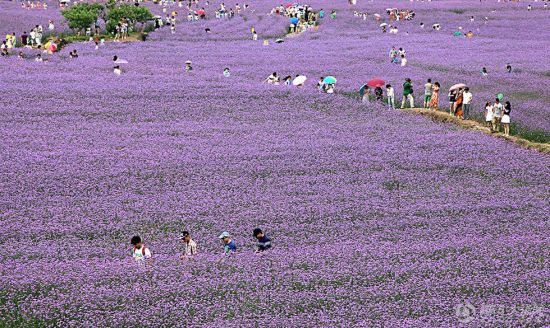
<point x="442" y="116"/>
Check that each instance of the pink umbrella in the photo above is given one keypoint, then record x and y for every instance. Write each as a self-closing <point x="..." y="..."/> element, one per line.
<point x="376" y="83"/>
<point x="457" y="86"/>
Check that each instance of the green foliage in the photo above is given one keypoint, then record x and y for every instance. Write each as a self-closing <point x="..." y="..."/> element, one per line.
<point x="81" y="16"/>
<point x="142" y="14"/>
<point x="111" y="4"/>
<point x="131" y="13"/>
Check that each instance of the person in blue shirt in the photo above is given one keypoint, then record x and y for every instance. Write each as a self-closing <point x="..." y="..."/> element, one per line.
<point x="264" y="242"/>
<point x="228" y="244"/>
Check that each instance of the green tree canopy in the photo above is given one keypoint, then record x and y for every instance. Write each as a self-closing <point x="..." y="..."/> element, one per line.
<point x="82" y="16"/>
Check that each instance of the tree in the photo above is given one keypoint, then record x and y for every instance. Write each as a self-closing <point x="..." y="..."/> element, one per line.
<point x="132" y="14"/>
<point x="80" y="17"/>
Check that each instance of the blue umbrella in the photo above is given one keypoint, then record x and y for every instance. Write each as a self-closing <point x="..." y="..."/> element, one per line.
<point x="329" y="80"/>
<point x="362" y="90"/>
<point x="294" y="20"/>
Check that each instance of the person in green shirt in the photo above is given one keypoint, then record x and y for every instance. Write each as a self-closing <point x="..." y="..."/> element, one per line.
<point x="407" y="93"/>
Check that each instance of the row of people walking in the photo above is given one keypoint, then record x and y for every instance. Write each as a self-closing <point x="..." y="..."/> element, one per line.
<point x="141" y="253"/>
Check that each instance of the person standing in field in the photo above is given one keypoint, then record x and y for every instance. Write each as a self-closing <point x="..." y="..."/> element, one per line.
<point x="434" y="100"/>
<point x="452" y="101"/>
<point x="407" y="93"/>
<point x="489" y="115"/>
<point x="427" y="93"/>
<point x="393" y="54"/>
<point x="390" y="94"/>
<point x="466" y="103"/>
<point x="403" y="61"/>
<point x="189" y="246"/>
<point x="506" y="118"/>
<point x="497" y="115"/>
<point x="459" y="102"/>
<point x="366" y="96"/>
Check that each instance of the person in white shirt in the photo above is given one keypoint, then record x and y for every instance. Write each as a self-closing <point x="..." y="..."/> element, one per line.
<point x="489" y="115"/>
<point x="140" y="252"/>
<point x="466" y="103"/>
<point x="33" y="36"/>
<point x="117" y="70"/>
<point x="189" y="246"/>
<point x="403" y="61"/>
<point x="402" y="52"/>
<point x="390" y="94"/>
<point x="273" y="79"/>
<point x="497" y="115"/>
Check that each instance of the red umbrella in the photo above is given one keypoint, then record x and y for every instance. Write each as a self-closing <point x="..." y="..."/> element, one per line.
<point x="375" y="83"/>
<point x="200" y="12"/>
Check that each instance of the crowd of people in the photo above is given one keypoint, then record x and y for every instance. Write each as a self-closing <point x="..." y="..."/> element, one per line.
<point x="32" y="40"/>
<point x="142" y="254"/>
<point x="301" y="17"/>
<point x="398" y="57"/>
<point x="34" y="5"/>
<point x="460" y="98"/>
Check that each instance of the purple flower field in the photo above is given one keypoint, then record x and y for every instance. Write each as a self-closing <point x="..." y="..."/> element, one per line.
<point x="378" y="217"/>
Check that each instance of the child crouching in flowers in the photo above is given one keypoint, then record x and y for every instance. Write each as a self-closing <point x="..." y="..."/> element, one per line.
<point x="140" y="252"/>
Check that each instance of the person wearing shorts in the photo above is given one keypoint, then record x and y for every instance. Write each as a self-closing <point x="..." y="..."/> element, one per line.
<point x="427" y="93"/>
<point x="497" y="115"/>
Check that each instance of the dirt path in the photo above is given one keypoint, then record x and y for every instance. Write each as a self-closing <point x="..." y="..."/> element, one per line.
<point x="444" y="117"/>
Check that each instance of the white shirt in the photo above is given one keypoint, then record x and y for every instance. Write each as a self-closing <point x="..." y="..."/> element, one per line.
<point x="467" y="98"/>
<point x="403" y="61"/>
<point x="190" y="248"/>
<point x="497" y="109"/>
<point x="139" y="255"/>
<point x="389" y="92"/>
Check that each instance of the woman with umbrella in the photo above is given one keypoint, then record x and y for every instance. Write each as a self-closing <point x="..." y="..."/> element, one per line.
<point x="452" y="100"/>
<point x="458" y="103"/>
<point x="328" y="84"/>
<point x="453" y="97"/>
